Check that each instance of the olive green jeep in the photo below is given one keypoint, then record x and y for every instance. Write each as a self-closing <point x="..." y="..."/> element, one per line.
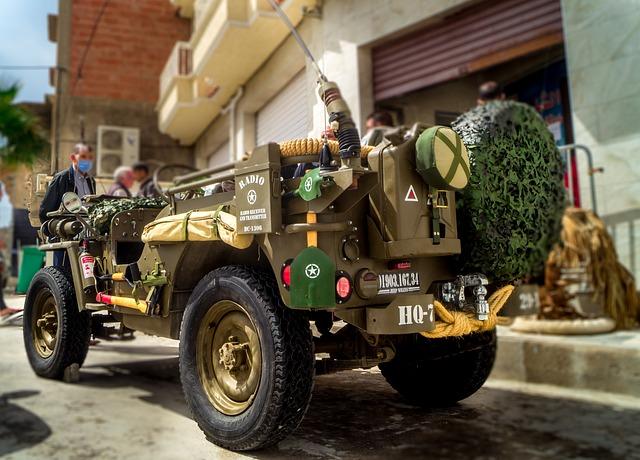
<point x="315" y="256"/>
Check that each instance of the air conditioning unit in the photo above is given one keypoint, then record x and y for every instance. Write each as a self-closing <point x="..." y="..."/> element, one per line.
<point x="117" y="146"/>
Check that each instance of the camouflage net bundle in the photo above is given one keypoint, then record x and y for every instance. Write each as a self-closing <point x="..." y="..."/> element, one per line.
<point x="510" y="212"/>
<point x="586" y="242"/>
<point x="101" y="213"/>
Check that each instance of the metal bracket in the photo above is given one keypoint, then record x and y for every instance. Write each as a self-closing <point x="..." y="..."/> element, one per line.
<point x="435" y="215"/>
<point x="453" y="292"/>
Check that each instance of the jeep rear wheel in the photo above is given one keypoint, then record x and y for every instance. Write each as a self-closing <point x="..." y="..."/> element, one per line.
<point x="441" y="372"/>
<point x="246" y="360"/>
<point x="56" y="334"/>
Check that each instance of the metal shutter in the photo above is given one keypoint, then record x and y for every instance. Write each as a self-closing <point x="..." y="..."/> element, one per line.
<point x="220" y="156"/>
<point x="287" y="115"/>
<point x="475" y="38"/>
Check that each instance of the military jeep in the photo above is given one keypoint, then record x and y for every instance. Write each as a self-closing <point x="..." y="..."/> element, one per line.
<point x="321" y="255"/>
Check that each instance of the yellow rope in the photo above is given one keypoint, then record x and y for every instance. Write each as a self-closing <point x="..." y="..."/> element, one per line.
<point x="457" y="323"/>
<point x="304" y="147"/>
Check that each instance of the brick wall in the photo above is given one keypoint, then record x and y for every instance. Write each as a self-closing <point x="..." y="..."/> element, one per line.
<point x="131" y="45"/>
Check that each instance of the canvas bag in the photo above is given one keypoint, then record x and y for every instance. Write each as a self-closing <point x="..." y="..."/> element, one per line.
<point x="215" y="225"/>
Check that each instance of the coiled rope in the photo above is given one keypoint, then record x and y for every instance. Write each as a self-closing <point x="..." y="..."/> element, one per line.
<point x="310" y="146"/>
<point x="457" y="323"/>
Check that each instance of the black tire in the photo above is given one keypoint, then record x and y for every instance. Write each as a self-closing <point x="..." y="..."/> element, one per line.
<point x="282" y="395"/>
<point x="52" y="286"/>
<point x="441" y="372"/>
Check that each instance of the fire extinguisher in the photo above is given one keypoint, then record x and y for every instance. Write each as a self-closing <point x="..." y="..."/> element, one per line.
<point x="87" y="262"/>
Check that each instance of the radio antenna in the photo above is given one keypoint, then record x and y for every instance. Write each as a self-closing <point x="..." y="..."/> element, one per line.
<point x="340" y="118"/>
<point x="296" y="35"/>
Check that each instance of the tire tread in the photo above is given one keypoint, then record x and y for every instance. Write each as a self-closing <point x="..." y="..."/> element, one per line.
<point x="75" y="333"/>
<point x="441" y="372"/>
<point x="294" y="365"/>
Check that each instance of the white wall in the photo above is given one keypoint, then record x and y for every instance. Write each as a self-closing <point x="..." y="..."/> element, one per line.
<point x="603" y="57"/>
<point x="343" y="38"/>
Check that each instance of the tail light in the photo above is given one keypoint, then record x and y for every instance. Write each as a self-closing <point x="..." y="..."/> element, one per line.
<point x="400" y="265"/>
<point x="285" y="273"/>
<point x="344" y="287"/>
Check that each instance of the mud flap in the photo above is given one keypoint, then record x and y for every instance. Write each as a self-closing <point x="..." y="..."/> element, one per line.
<point x="313" y="280"/>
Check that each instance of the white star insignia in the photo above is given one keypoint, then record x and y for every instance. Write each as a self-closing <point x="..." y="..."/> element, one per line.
<point x="312" y="271"/>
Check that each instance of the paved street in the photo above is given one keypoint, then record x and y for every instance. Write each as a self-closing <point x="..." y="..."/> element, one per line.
<point x="129" y="404"/>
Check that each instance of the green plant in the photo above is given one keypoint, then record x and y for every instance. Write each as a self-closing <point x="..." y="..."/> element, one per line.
<point x="511" y="211"/>
<point x="21" y="139"/>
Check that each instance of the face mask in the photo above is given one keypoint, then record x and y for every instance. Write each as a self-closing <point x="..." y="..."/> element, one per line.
<point x="84" y="166"/>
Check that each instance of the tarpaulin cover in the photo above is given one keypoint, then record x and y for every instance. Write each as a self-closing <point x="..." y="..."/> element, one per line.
<point x="196" y="226"/>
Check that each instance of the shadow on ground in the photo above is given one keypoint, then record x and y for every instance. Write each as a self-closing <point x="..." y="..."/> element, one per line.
<point x="356" y="414"/>
<point x="19" y="428"/>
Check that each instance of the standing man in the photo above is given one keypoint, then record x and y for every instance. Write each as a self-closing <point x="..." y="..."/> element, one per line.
<point x="376" y="125"/>
<point x="75" y="179"/>
<point x="490" y="91"/>
<point x="4" y="310"/>
<point x="123" y="181"/>
<point x="142" y="176"/>
<point x="379" y="119"/>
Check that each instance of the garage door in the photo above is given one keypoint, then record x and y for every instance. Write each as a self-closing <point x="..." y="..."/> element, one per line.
<point x="478" y="37"/>
<point x="287" y="115"/>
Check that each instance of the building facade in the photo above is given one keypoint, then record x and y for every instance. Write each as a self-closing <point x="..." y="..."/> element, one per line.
<point x="109" y="56"/>
<point x="240" y="79"/>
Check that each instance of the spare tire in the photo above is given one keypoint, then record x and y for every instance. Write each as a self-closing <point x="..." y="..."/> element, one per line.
<point x="510" y="213"/>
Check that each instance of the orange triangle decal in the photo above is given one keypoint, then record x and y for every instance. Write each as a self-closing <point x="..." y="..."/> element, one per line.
<point x="411" y="194"/>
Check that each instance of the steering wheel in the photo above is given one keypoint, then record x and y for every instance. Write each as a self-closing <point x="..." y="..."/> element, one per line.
<point x="156" y="178"/>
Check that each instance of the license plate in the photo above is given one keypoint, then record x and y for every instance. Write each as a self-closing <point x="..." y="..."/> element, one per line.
<point x="398" y="282"/>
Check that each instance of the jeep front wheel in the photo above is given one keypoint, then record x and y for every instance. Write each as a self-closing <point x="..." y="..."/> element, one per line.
<point x="246" y="360"/>
<point x="441" y="372"/>
<point x="56" y="334"/>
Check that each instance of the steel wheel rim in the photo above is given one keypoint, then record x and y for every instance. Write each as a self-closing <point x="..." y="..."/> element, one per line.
<point x="44" y="324"/>
<point x="229" y="357"/>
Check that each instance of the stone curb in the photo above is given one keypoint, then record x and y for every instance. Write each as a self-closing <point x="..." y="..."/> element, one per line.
<point x="607" y="362"/>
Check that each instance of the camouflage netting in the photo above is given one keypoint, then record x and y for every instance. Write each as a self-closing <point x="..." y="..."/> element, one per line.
<point x="101" y="213"/>
<point x="510" y="213"/>
<point x="585" y="243"/>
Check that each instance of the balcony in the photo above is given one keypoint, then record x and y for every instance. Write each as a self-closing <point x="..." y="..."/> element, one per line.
<point x="177" y="66"/>
<point x="231" y="39"/>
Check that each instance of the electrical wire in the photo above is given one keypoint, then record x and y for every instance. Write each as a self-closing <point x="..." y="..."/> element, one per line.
<point x="26" y="67"/>
<point x="94" y="29"/>
<point x="83" y="59"/>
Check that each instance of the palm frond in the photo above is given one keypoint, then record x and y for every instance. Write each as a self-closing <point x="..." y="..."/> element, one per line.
<point x="22" y="136"/>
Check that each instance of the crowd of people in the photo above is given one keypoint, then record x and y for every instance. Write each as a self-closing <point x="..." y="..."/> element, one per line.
<point x="125" y="177"/>
<point x="77" y="178"/>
